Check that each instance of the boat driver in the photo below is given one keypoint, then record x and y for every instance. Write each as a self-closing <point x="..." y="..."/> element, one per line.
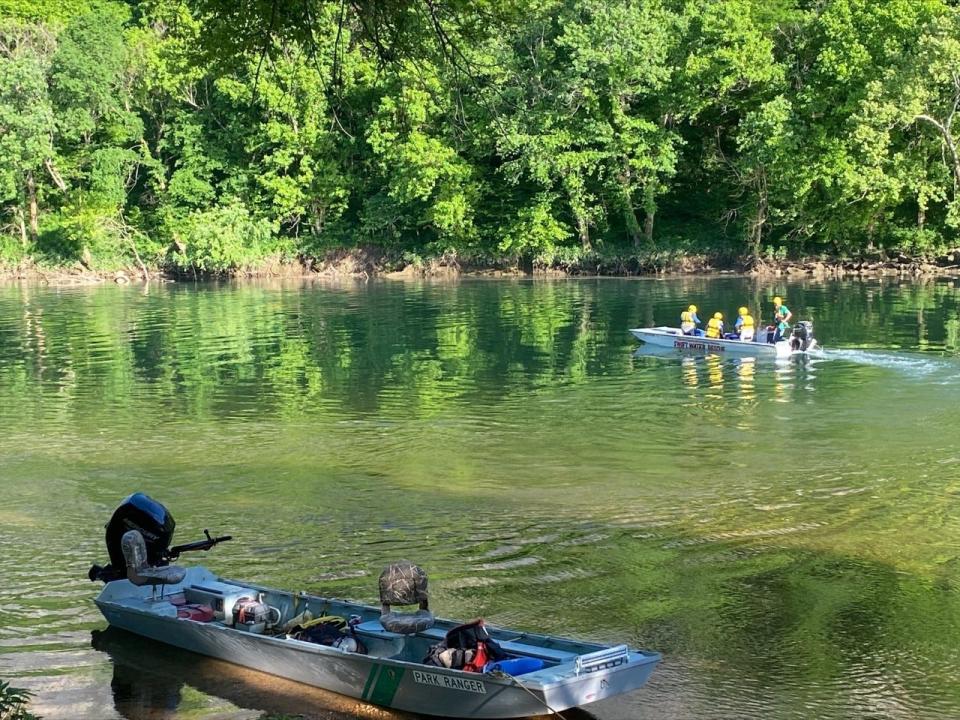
<point x="781" y="318"/>
<point x="689" y="321"/>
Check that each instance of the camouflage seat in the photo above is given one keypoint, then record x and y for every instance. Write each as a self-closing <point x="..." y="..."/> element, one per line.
<point x="403" y="583"/>
<point x="139" y="571"/>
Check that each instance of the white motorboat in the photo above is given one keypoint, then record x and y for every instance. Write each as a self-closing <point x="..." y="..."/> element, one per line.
<point x="801" y="340"/>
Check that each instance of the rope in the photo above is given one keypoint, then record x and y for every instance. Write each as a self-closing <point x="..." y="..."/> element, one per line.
<point x="502" y="673"/>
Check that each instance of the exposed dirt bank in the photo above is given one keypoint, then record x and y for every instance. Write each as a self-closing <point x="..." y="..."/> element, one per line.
<point x="371" y="262"/>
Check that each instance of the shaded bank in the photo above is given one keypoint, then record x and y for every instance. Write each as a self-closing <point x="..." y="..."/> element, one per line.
<point x="371" y="262"/>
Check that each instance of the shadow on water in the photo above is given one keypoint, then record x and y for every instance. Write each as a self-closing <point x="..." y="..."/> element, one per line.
<point x="150" y="680"/>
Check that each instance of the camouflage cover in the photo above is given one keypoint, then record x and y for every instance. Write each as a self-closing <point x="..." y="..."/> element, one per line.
<point x="403" y="583"/>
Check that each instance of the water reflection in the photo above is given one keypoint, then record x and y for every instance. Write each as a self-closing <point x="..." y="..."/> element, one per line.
<point x="150" y="680"/>
<point x="506" y="437"/>
<point x="689" y="373"/>
<point x="746" y="369"/>
<point x="714" y="365"/>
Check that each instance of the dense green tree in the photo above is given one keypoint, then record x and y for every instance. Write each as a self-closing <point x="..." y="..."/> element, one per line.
<point x="26" y="123"/>
<point x="559" y="129"/>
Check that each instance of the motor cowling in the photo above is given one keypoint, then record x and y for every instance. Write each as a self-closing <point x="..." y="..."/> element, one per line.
<point x="802" y="336"/>
<point x="137" y="512"/>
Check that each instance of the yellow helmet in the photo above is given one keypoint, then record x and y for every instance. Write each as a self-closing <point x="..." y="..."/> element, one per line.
<point x="718" y="316"/>
<point x="744" y="311"/>
<point x="692" y="308"/>
<point x="778" y="300"/>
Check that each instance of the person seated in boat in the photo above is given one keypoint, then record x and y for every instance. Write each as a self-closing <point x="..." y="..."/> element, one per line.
<point x="744" y="325"/>
<point x="715" y="326"/>
<point x="781" y="319"/>
<point x="689" y="321"/>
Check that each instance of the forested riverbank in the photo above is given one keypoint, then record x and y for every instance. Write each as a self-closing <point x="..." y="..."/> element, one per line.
<point x="210" y="136"/>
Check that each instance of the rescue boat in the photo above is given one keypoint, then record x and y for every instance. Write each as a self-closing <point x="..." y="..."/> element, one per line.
<point x="800" y="340"/>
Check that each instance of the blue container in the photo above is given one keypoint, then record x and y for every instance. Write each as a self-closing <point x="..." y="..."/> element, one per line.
<point x="515" y="666"/>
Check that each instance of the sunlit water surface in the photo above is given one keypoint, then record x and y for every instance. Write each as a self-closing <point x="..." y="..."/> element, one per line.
<point x="787" y="535"/>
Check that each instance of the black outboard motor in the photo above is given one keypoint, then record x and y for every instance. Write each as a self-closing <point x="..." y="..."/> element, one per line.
<point x="155" y="523"/>
<point x="802" y="337"/>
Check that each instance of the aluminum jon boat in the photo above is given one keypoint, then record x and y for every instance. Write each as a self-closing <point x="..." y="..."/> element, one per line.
<point x="801" y="340"/>
<point x="194" y="609"/>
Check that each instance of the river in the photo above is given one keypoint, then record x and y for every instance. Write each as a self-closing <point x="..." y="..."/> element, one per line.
<point x="786" y="534"/>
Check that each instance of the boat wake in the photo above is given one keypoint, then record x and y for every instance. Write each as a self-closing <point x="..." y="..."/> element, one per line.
<point x="910" y="363"/>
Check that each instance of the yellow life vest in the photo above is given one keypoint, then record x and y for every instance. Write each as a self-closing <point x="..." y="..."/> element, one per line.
<point x="747" y="321"/>
<point x="686" y="316"/>
<point x="713" y="328"/>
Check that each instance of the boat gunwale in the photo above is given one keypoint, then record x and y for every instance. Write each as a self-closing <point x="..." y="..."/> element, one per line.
<point x="636" y="658"/>
<point x="779" y="350"/>
<point x="664" y="331"/>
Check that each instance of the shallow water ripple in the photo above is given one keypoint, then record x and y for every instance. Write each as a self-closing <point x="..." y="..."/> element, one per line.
<point x="784" y="533"/>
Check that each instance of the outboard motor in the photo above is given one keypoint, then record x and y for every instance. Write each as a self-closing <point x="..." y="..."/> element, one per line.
<point x="155" y="523"/>
<point x="802" y="337"/>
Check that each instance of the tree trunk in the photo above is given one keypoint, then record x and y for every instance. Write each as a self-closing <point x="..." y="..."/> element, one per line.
<point x="32" y="200"/>
<point x="946" y="132"/>
<point x="755" y="232"/>
<point x="756" y="227"/>
<point x="650" y="211"/>
<point x="633" y="225"/>
<point x="24" y="240"/>
<point x="584" y="230"/>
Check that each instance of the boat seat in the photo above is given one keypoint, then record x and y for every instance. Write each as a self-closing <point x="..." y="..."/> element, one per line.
<point x="403" y="583"/>
<point x="139" y="571"/>
<point x="537" y="651"/>
<point x="434" y="633"/>
<point x="375" y="629"/>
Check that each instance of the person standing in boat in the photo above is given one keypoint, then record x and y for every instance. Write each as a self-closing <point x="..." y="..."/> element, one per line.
<point x="715" y="326"/>
<point x="744" y="325"/>
<point x="781" y="318"/>
<point x="689" y="321"/>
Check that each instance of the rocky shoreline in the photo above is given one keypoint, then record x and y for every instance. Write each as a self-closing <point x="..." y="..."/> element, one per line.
<point x="369" y="263"/>
<point x="946" y="265"/>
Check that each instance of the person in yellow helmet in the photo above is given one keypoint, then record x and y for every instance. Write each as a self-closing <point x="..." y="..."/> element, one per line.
<point x="715" y="326"/>
<point x="744" y="325"/>
<point x="781" y="318"/>
<point x="689" y="321"/>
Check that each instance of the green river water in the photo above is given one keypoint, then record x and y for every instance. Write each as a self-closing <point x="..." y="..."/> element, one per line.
<point x="786" y="534"/>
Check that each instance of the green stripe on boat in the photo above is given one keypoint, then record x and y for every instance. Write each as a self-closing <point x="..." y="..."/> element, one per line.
<point x="373" y="671"/>
<point x="386" y="686"/>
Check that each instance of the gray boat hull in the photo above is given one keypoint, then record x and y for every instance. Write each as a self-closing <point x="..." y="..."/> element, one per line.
<point x="378" y="678"/>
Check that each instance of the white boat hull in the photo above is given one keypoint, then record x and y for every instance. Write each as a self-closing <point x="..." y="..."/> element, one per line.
<point x="670" y="337"/>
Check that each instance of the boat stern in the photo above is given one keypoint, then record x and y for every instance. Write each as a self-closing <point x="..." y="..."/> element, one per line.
<point x="595" y="680"/>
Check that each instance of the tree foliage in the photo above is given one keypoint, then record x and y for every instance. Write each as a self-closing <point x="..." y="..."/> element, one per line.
<point x="133" y="131"/>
